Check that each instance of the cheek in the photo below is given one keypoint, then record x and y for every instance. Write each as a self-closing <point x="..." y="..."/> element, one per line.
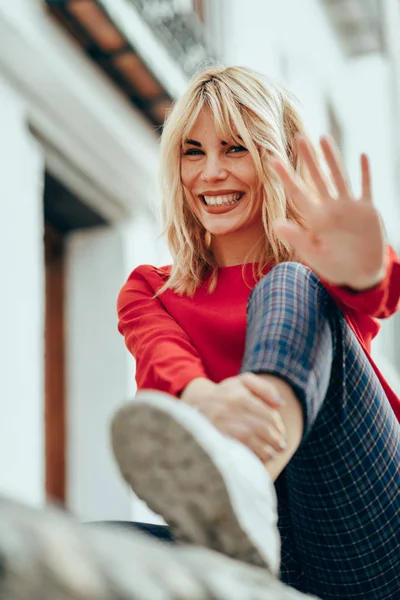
<point x="247" y="173"/>
<point x="188" y="174"/>
<point x="188" y="177"/>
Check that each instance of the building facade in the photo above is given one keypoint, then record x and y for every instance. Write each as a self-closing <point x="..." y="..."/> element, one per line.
<point x="83" y="90"/>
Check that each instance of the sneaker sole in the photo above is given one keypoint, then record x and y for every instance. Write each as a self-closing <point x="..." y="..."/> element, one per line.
<point x="176" y="461"/>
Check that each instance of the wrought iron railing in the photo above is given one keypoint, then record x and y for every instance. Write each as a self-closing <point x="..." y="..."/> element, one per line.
<point x="179" y="29"/>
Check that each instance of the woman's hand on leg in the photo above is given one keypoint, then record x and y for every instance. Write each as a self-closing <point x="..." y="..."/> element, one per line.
<point x="246" y="408"/>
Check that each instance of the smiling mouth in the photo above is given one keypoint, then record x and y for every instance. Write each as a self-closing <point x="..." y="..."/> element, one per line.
<point x="223" y="200"/>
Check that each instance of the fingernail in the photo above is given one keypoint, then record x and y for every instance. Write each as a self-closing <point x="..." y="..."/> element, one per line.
<point x="279" y="400"/>
<point x="269" y="453"/>
<point x="282" y="444"/>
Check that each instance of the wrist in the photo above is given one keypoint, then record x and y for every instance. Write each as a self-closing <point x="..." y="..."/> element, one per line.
<point x="366" y="285"/>
<point x="372" y="279"/>
<point x="197" y="389"/>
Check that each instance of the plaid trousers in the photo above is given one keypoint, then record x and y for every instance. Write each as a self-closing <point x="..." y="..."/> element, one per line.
<point x="338" y="498"/>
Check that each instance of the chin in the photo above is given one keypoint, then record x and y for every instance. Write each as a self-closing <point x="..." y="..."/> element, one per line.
<point x="224" y="228"/>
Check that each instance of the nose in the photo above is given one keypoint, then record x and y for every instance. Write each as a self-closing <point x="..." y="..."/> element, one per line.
<point x="213" y="170"/>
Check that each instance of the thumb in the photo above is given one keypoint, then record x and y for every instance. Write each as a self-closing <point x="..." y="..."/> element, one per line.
<point x="299" y="239"/>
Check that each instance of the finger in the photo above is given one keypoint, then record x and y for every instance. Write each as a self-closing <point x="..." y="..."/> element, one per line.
<point x="268" y="454"/>
<point x="366" y="193"/>
<point x="265" y="421"/>
<point x="334" y="160"/>
<point x="308" y="153"/>
<point x="249" y="403"/>
<point x="271" y="432"/>
<point x="295" y="188"/>
<point x="262" y="389"/>
<point x="265" y="453"/>
<point x="272" y="420"/>
<point x="243" y="434"/>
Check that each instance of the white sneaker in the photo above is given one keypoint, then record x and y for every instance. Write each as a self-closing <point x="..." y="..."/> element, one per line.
<point x="212" y="490"/>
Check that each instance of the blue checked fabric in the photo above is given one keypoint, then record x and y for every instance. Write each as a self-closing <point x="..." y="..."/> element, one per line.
<point x="338" y="498"/>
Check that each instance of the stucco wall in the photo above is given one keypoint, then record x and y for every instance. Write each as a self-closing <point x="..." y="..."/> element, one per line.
<point x="21" y="304"/>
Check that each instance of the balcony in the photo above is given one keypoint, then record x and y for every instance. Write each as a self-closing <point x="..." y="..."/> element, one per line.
<point x="148" y="48"/>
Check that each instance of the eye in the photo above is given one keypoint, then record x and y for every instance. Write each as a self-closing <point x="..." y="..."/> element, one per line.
<point x="193" y="152"/>
<point x="237" y="149"/>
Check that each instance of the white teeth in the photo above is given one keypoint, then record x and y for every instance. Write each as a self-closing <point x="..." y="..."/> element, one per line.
<point x="222" y="200"/>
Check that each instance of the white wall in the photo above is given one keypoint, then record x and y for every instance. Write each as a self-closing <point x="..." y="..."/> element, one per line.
<point x="21" y="305"/>
<point x="97" y="141"/>
<point x="364" y="99"/>
<point x="96" y="373"/>
<point x="369" y="126"/>
<point x="100" y="371"/>
<point x="278" y="37"/>
<point x="105" y="149"/>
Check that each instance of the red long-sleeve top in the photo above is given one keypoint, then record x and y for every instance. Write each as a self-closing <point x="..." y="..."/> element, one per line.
<point x="176" y="339"/>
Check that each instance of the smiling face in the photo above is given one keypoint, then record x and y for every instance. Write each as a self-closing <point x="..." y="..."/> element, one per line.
<point x="221" y="182"/>
<point x="210" y="182"/>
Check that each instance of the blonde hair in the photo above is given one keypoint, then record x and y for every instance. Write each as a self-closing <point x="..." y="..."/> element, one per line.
<point x="249" y="110"/>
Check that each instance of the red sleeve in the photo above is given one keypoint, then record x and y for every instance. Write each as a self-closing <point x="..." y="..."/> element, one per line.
<point x="165" y="357"/>
<point x="381" y="301"/>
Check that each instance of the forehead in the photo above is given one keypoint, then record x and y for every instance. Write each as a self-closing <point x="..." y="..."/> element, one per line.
<point x="207" y="127"/>
<point x="204" y="124"/>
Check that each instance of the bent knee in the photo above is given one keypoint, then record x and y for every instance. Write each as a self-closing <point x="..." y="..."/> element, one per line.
<point x="291" y="272"/>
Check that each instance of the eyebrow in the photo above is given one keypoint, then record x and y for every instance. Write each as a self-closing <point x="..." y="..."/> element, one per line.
<point x="198" y="145"/>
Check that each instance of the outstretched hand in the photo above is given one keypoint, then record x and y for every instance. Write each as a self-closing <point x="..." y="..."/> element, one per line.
<point x="342" y="238"/>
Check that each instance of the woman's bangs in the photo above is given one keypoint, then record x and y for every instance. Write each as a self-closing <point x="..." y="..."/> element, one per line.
<point x="229" y="125"/>
<point x="191" y="118"/>
<point x="227" y="130"/>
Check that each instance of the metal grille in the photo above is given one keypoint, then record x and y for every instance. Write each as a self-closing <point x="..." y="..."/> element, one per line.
<point x="179" y="28"/>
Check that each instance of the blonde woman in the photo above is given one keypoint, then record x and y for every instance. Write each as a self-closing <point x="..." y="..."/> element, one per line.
<point x="253" y="349"/>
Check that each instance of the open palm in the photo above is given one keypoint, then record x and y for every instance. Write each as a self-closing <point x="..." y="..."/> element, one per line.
<point x="342" y="238"/>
